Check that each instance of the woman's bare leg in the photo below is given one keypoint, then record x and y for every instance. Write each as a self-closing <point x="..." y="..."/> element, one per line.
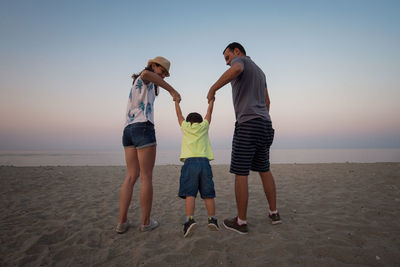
<point x="147" y="158"/>
<point x="132" y="173"/>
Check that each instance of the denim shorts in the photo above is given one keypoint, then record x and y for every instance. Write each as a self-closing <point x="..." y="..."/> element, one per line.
<point x="139" y="135"/>
<point x="196" y="175"/>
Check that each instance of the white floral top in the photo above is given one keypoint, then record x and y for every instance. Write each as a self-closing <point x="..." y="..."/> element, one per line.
<point x="140" y="103"/>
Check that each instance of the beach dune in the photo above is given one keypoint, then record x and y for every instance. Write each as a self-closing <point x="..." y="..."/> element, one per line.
<point x="333" y="215"/>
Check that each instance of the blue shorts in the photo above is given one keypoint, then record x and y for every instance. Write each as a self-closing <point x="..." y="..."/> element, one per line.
<point x="250" y="146"/>
<point x="196" y="175"/>
<point x="139" y="135"/>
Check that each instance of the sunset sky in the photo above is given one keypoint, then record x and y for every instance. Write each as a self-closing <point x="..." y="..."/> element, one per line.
<point x="332" y="67"/>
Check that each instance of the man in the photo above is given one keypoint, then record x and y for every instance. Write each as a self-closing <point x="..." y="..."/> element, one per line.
<point x="253" y="134"/>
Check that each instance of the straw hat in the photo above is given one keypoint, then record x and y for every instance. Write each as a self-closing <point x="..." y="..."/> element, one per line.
<point x="161" y="61"/>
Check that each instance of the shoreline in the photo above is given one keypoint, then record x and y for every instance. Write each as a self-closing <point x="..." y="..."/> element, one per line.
<point x="180" y="165"/>
<point x="171" y="157"/>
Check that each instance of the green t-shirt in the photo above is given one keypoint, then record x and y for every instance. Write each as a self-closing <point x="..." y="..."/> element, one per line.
<point x="195" y="141"/>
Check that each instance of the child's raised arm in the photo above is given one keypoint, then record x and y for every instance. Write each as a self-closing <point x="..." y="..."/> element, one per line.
<point x="179" y="112"/>
<point x="210" y="110"/>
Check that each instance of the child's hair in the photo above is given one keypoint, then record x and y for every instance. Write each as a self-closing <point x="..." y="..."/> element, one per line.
<point x="194" y="117"/>
<point x="136" y="75"/>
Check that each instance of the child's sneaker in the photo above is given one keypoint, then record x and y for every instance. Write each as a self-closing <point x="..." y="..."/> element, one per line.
<point x="275" y="218"/>
<point x="213" y="224"/>
<point x="188" y="227"/>
<point x="232" y="224"/>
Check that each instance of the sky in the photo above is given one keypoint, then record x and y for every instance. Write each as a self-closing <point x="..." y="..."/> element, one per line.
<point x="332" y="68"/>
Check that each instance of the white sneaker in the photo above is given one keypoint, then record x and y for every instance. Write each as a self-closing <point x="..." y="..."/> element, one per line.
<point x="152" y="225"/>
<point x="123" y="227"/>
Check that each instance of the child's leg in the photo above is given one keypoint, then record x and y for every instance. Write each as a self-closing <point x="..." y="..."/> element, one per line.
<point x="210" y="206"/>
<point x="206" y="187"/>
<point x="190" y="223"/>
<point x="212" y="221"/>
<point x="190" y="203"/>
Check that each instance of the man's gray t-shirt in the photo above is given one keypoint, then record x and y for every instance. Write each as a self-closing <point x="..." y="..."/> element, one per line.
<point x="248" y="92"/>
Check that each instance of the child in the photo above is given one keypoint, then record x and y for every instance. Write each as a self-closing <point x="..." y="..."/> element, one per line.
<point x="196" y="173"/>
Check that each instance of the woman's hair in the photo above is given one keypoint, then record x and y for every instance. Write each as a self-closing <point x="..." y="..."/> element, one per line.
<point x="194" y="117"/>
<point x="136" y="75"/>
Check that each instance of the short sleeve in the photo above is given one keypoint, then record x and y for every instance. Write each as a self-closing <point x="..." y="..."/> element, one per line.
<point x="205" y="124"/>
<point x="237" y="60"/>
<point x="184" y="125"/>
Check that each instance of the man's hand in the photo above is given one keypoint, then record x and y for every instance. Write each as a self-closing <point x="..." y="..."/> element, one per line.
<point x="229" y="75"/>
<point x="211" y="95"/>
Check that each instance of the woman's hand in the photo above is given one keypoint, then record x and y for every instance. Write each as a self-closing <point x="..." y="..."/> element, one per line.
<point x="175" y="96"/>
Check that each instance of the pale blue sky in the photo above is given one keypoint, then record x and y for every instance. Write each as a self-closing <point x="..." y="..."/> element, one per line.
<point x="332" y="69"/>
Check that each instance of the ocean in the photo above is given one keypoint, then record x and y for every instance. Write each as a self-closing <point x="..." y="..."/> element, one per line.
<point x="166" y="157"/>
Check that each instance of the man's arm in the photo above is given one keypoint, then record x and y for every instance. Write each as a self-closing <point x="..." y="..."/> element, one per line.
<point x="209" y="110"/>
<point x="179" y="112"/>
<point x="267" y="101"/>
<point x="228" y="76"/>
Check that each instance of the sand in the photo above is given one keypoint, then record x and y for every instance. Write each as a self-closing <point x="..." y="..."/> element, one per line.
<point x="333" y="215"/>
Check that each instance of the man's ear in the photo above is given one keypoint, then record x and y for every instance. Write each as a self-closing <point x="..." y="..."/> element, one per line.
<point x="236" y="51"/>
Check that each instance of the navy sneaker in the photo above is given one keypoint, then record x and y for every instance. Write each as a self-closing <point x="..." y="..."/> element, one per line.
<point x="275" y="218"/>
<point x="213" y="224"/>
<point x="188" y="227"/>
<point x="232" y="224"/>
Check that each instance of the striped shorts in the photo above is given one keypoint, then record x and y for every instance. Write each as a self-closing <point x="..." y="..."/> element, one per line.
<point x="250" y="146"/>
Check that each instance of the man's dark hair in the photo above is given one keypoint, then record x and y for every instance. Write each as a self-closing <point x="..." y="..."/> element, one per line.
<point x="234" y="45"/>
<point x="194" y="117"/>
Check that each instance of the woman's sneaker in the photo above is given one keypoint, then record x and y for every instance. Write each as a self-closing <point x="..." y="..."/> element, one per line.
<point x="122" y="227"/>
<point x="275" y="218"/>
<point x="232" y="224"/>
<point x="152" y="225"/>
<point x="213" y="224"/>
<point x="188" y="227"/>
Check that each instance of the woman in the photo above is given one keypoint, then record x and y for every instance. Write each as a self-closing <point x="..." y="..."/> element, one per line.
<point x="139" y="140"/>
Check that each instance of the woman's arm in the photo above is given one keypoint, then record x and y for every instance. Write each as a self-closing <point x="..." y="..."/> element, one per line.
<point x="149" y="76"/>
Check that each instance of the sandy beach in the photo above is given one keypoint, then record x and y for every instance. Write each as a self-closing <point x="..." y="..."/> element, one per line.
<point x="333" y="215"/>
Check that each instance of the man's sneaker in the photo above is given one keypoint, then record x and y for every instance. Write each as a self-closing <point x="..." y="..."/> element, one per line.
<point x="152" y="225"/>
<point x="213" y="224"/>
<point x="122" y="227"/>
<point x="232" y="224"/>
<point x="275" y="218"/>
<point x="188" y="227"/>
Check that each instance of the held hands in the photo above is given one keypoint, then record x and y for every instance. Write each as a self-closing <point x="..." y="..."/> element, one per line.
<point x="211" y="95"/>
<point x="176" y="97"/>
